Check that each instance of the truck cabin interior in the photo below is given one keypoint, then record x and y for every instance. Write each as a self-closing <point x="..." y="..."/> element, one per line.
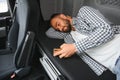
<point x="26" y="53"/>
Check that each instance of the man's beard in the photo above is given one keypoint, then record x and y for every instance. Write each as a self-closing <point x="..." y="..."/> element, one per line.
<point x="69" y="27"/>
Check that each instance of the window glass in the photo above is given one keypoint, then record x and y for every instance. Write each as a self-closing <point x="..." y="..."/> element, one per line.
<point x="3" y="6"/>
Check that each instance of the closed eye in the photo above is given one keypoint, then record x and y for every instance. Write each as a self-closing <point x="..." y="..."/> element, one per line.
<point x="57" y="24"/>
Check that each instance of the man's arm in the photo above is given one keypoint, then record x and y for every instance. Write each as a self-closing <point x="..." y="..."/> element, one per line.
<point x="102" y="30"/>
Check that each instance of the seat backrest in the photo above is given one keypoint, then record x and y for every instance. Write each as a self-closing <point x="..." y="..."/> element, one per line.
<point x="18" y="29"/>
<point x="109" y="8"/>
<point x="26" y="19"/>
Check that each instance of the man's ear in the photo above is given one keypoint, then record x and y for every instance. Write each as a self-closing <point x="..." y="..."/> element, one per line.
<point x="63" y="16"/>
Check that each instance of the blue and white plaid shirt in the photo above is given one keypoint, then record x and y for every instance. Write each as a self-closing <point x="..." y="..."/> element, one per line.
<point x="92" y="23"/>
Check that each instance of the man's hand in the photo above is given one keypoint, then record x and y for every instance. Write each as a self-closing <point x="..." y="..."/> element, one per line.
<point x="67" y="50"/>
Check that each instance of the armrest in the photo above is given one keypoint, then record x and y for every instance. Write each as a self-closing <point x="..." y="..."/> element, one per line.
<point x="24" y="54"/>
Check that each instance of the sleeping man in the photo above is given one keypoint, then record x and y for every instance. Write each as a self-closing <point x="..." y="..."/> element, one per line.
<point x="89" y="35"/>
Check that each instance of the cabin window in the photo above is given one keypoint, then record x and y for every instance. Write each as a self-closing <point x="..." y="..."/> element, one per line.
<point x="3" y="6"/>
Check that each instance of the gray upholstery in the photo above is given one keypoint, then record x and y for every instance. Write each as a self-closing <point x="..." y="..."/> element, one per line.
<point x="19" y="51"/>
<point x="109" y="8"/>
<point x="6" y="65"/>
<point x="49" y="7"/>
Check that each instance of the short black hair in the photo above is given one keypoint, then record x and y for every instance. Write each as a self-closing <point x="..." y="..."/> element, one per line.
<point x="53" y="16"/>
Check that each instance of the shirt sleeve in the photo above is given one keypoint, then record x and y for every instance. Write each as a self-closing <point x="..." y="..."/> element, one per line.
<point x="101" y="33"/>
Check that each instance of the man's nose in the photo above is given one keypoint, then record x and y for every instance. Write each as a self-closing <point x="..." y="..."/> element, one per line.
<point x="60" y="28"/>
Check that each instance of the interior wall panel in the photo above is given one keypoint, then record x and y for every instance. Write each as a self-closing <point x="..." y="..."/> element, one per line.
<point x="48" y="7"/>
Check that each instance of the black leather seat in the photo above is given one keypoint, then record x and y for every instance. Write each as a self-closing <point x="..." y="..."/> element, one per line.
<point x="16" y="58"/>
